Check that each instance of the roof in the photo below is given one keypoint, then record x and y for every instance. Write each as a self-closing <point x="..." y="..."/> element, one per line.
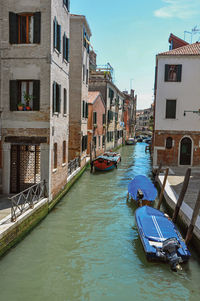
<point x="83" y="18"/>
<point x="191" y="49"/>
<point x="177" y="40"/>
<point x="93" y="95"/>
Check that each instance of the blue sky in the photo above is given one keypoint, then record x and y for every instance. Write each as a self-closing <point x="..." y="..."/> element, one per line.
<point x="128" y="34"/>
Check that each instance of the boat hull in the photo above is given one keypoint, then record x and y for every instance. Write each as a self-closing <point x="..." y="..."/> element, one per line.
<point x="105" y="163"/>
<point x="154" y="228"/>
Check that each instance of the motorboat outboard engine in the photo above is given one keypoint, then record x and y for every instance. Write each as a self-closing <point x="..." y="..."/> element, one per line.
<point x="140" y="194"/>
<point x="170" y="247"/>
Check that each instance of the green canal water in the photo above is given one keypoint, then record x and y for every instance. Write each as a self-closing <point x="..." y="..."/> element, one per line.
<point x="88" y="248"/>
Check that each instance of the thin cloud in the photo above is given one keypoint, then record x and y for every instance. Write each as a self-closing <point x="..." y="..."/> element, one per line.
<point x="182" y="9"/>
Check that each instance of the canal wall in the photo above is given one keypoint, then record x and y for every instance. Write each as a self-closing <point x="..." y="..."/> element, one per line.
<point x="185" y="213"/>
<point x="13" y="232"/>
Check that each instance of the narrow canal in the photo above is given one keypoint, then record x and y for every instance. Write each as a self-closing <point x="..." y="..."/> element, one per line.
<point x="88" y="249"/>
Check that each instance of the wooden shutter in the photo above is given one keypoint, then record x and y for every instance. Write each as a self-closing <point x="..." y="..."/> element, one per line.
<point x="58" y="37"/>
<point x="171" y="108"/>
<point x="55" y="33"/>
<point x="166" y="72"/>
<point x="36" y="95"/>
<point x="86" y="110"/>
<point x="59" y="99"/>
<point x="83" y="107"/>
<point x="64" y="46"/>
<point x="65" y="102"/>
<point x="37" y="27"/>
<point x="179" y="73"/>
<point x="13" y="95"/>
<point x="13" y="28"/>
<point x="54" y="97"/>
<point x="67" y="49"/>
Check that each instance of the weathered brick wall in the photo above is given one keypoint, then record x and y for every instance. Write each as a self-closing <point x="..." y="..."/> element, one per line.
<point x="171" y="156"/>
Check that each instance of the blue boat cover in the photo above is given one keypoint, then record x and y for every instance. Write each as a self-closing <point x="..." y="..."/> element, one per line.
<point x="145" y="185"/>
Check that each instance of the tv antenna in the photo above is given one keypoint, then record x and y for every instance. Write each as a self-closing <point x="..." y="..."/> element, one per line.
<point x="194" y="31"/>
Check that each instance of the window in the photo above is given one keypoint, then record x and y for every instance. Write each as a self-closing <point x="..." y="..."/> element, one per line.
<point x="170" y="109"/>
<point x="95" y="141"/>
<point x="173" y="73"/>
<point x="84" y="143"/>
<point x="111" y="95"/>
<point x="86" y="40"/>
<point x="84" y="109"/>
<point x="169" y="141"/>
<point x="87" y="77"/>
<point x="99" y="141"/>
<point x="67" y="4"/>
<point x="103" y="141"/>
<point x="64" y="151"/>
<point x="24" y="95"/>
<point x="55" y="155"/>
<point x="65" y="48"/>
<point x="83" y="72"/>
<point x="24" y="28"/>
<point x="104" y="119"/>
<point x="56" y="35"/>
<point x="94" y="118"/>
<point x="64" y="101"/>
<point x="110" y="115"/>
<point x="56" y="97"/>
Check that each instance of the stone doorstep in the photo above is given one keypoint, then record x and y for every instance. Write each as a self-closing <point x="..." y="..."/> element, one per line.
<point x="6" y="227"/>
<point x="185" y="211"/>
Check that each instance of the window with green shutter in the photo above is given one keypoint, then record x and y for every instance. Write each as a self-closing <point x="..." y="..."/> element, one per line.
<point x="83" y="108"/>
<point x="94" y="118"/>
<point x="67" y="4"/>
<point x="170" y="112"/>
<point x="56" y="35"/>
<point x="56" y="98"/>
<point x="65" y="48"/>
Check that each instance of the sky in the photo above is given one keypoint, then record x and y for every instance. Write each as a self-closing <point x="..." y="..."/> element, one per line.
<point x="129" y="33"/>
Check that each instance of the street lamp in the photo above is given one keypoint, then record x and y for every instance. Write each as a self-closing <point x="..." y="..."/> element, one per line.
<point x="196" y="112"/>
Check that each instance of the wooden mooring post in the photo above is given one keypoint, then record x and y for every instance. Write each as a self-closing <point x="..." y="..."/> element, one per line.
<point x="163" y="188"/>
<point x="182" y="194"/>
<point x="91" y="160"/>
<point x="193" y="220"/>
<point x="158" y="171"/>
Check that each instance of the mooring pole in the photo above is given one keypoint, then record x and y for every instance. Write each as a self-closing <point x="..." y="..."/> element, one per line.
<point x="158" y="171"/>
<point x="163" y="187"/>
<point x="127" y="197"/>
<point x="182" y="194"/>
<point x="193" y="220"/>
<point x="91" y="163"/>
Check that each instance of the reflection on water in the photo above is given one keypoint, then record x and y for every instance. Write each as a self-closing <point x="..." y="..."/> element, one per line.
<point x="89" y="249"/>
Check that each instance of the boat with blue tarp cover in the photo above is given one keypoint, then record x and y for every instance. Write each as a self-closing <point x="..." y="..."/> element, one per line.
<point x="107" y="161"/>
<point x="142" y="190"/>
<point x="160" y="238"/>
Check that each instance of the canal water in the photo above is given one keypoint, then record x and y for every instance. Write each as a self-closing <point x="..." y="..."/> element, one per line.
<point x="88" y="248"/>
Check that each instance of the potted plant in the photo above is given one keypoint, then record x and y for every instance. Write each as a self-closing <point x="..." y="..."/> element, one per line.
<point x="20" y="106"/>
<point x="27" y="98"/>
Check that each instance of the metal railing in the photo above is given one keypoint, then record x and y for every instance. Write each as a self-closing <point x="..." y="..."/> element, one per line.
<point x="73" y="165"/>
<point x="26" y="199"/>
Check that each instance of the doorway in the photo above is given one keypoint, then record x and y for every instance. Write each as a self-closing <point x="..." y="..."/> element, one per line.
<point x="25" y="167"/>
<point x="185" y="151"/>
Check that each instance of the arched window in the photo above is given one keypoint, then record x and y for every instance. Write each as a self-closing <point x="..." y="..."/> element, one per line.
<point x="169" y="141"/>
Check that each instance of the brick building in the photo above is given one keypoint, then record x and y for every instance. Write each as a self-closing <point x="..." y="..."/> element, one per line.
<point x="176" y="138"/>
<point x="96" y="123"/>
<point x="34" y="89"/>
<point x="79" y="80"/>
<point x="130" y="103"/>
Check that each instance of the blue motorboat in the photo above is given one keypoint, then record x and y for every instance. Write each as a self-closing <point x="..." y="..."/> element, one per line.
<point x="142" y="190"/>
<point x="160" y="237"/>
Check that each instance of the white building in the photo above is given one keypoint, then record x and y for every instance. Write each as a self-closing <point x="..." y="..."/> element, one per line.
<point x="177" y="103"/>
<point x="34" y="88"/>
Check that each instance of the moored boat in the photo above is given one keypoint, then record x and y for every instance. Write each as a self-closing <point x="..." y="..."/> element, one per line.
<point x="107" y="161"/>
<point x="130" y="141"/>
<point x="142" y="190"/>
<point x="160" y="238"/>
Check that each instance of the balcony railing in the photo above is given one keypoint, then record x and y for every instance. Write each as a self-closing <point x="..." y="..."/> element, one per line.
<point x="73" y="165"/>
<point x="27" y="199"/>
